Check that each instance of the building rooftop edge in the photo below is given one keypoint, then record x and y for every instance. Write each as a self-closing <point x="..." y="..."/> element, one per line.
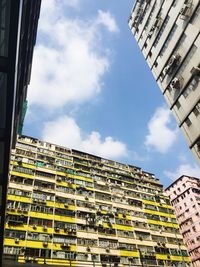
<point x="180" y="179"/>
<point x="133" y="166"/>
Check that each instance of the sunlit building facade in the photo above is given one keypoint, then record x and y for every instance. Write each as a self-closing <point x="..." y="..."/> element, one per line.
<point x="71" y="208"/>
<point x="168" y="34"/>
<point x="184" y="194"/>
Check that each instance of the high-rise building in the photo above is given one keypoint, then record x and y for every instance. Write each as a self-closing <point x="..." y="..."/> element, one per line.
<point x="18" y="26"/>
<point x="168" y="34"/>
<point x="71" y="208"/>
<point x="185" y="197"/>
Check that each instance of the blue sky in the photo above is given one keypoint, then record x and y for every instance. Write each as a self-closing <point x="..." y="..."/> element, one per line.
<point x="92" y="90"/>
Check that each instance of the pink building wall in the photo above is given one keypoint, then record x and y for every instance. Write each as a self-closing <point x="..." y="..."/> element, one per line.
<point x="184" y="194"/>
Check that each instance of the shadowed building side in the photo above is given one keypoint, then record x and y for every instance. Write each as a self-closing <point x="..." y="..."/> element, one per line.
<point x="18" y="28"/>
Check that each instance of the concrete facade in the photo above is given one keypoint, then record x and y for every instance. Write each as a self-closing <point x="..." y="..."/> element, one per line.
<point x="70" y="208"/>
<point x="184" y="194"/>
<point x="168" y="34"/>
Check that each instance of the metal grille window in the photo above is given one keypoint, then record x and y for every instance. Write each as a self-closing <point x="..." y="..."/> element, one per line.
<point x="64" y="212"/>
<point x="64" y="255"/>
<point x="45" y="174"/>
<point x="18" y="192"/>
<point x="64" y="239"/>
<point x="23" y="170"/>
<point x="87" y="242"/>
<point x="65" y="189"/>
<point x="25" y="146"/>
<point x="15" y="234"/>
<point x="42" y="209"/>
<point x="12" y="250"/>
<point x="82" y="256"/>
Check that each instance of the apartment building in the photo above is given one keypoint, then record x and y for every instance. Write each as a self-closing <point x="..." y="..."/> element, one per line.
<point x="168" y="34"/>
<point x="70" y="208"/>
<point x="184" y="194"/>
<point x="18" y="27"/>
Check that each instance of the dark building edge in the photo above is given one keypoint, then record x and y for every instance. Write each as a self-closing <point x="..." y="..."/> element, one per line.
<point x="22" y="29"/>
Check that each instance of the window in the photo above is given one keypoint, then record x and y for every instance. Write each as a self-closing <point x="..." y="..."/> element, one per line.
<point x="4" y="27"/>
<point x="187" y="59"/>
<point x="150" y="16"/>
<point x="161" y="31"/>
<point x="178" y="105"/>
<point x="169" y="38"/>
<point x="197" y="110"/>
<point x="188" y="122"/>
<point x="191" y="87"/>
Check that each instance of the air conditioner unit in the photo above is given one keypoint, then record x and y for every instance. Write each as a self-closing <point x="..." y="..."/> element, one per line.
<point x="186" y="9"/>
<point x="167" y="70"/>
<point x="65" y="245"/>
<point x="107" y="250"/>
<point x="57" y="229"/>
<point x="17" y="240"/>
<point x="158" y="22"/>
<point x="195" y="71"/>
<point x="151" y="32"/>
<point x="176" y="83"/>
<point x="172" y="64"/>
<point x="25" y="210"/>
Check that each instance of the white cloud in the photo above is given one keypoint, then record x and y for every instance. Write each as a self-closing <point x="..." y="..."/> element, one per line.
<point x="161" y="136"/>
<point x="73" y="3"/>
<point x="68" y="64"/>
<point x="65" y="131"/>
<point x="184" y="169"/>
<point x="106" y="19"/>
